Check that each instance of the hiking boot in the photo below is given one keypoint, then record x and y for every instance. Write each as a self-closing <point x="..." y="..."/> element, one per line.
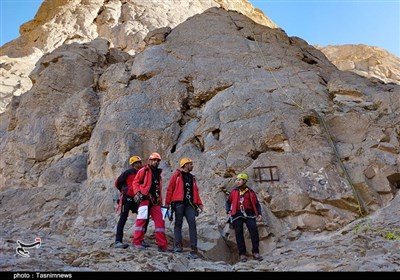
<point x="120" y="245"/>
<point x="139" y="247"/>
<point x="243" y="258"/>
<point x="165" y="249"/>
<point x="257" y="257"/>
<point x="193" y="255"/>
<point x="178" y="250"/>
<point x="145" y="244"/>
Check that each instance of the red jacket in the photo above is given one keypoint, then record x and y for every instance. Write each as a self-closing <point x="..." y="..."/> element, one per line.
<point x="233" y="202"/>
<point x="124" y="181"/>
<point x="175" y="190"/>
<point x="142" y="182"/>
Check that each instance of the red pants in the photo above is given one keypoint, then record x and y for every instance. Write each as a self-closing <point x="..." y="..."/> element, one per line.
<point x="140" y="225"/>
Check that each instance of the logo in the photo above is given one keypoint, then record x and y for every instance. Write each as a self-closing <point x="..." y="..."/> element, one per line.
<point x="22" y="246"/>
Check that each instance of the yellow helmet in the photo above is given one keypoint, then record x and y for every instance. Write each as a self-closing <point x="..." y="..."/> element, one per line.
<point x="243" y="176"/>
<point x="134" y="159"/>
<point x="155" y="156"/>
<point x="184" y="161"/>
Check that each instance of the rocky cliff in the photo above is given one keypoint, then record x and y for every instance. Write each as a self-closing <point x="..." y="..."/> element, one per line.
<point x="123" y="23"/>
<point x="367" y="61"/>
<point x="321" y="146"/>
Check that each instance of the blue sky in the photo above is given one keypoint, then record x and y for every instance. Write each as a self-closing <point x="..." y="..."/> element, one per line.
<point x="327" y="22"/>
<point x="322" y="22"/>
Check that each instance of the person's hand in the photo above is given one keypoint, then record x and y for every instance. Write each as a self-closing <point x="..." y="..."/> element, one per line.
<point x="259" y="217"/>
<point x="201" y="208"/>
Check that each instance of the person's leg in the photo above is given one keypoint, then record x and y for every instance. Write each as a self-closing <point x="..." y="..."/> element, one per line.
<point x="179" y="213"/>
<point x="238" y="227"/>
<point x="140" y="224"/>
<point x="122" y="221"/>
<point x="255" y="240"/>
<point x="190" y="215"/>
<point x="161" y="239"/>
<point x="144" y="243"/>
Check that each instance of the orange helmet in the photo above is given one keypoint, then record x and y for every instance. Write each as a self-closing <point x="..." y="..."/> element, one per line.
<point x="134" y="159"/>
<point x="155" y="156"/>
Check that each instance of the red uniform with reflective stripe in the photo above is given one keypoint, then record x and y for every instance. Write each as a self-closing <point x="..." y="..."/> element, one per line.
<point x="145" y="175"/>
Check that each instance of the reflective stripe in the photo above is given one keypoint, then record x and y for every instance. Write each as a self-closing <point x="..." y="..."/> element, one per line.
<point x="140" y="229"/>
<point x="159" y="230"/>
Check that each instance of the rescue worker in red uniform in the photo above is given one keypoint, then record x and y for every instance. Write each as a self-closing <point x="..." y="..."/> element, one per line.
<point x="244" y="208"/>
<point x="183" y="196"/>
<point x="147" y="188"/>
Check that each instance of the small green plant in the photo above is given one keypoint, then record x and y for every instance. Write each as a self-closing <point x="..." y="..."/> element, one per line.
<point x="387" y="234"/>
<point x="391" y="235"/>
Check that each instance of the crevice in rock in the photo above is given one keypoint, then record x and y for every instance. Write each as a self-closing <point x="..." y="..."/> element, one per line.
<point x="394" y="180"/>
<point x="254" y="154"/>
<point x="53" y="60"/>
<point x="145" y="76"/>
<point x="229" y="173"/>
<point x="324" y="81"/>
<point x="309" y="60"/>
<point x="185" y="107"/>
<point x="346" y="159"/>
<point x="198" y="142"/>
<point x="311" y="121"/>
<point x="215" y="134"/>
<point x="173" y="149"/>
<point x="197" y="100"/>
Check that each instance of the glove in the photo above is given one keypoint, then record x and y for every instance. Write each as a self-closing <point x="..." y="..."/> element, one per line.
<point x="138" y="197"/>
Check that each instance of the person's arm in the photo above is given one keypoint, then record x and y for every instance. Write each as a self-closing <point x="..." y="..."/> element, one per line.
<point x="136" y="182"/>
<point x="198" y="199"/>
<point x="228" y="204"/>
<point x="258" y="207"/>
<point x="130" y="192"/>
<point x="121" y="180"/>
<point x="170" y="189"/>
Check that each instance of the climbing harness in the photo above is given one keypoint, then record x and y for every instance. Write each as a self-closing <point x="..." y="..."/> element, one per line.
<point x="189" y="199"/>
<point x="241" y="201"/>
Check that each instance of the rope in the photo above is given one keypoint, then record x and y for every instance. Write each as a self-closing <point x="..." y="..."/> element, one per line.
<point x="273" y="76"/>
<point x="360" y="203"/>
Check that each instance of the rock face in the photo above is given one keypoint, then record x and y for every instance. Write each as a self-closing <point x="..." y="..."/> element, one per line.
<point x="367" y="61"/>
<point x="123" y="23"/>
<point x="321" y="147"/>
